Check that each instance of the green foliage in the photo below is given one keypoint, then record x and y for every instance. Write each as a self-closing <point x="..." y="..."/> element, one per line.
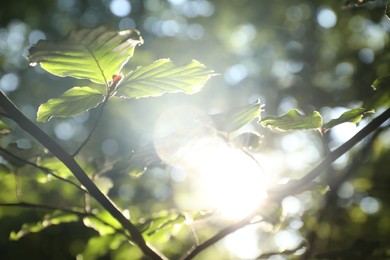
<point x="99" y="55"/>
<point x="235" y="119"/>
<point x="163" y="76"/>
<point x="381" y="96"/>
<point x="73" y="102"/>
<point x="94" y="54"/>
<point x="55" y="218"/>
<point x="4" y="128"/>
<point x="293" y="120"/>
<point x="99" y="246"/>
<point x="102" y="222"/>
<point x="281" y="51"/>
<point x="352" y="116"/>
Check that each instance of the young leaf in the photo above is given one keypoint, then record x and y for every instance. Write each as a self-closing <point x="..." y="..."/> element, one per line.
<point x="293" y="120"/>
<point x="94" y="54"/>
<point x="74" y="101"/>
<point x="98" y="247"/>
<point x="353" y="116"/>
<point x="4" y="129"/>
<point x="381" y="96"/>
<point x="55" y="218"/>
<point x="381" y="82"/>
<point x="237" y="118"/>
<point x="163" y="76"/>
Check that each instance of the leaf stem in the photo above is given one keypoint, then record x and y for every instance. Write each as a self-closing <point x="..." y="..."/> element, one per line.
<point x="99" y="116"/>
<point x="18" y="117"/>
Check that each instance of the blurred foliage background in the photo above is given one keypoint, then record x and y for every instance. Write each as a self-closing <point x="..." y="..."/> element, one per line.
<point x="310" y="55"/>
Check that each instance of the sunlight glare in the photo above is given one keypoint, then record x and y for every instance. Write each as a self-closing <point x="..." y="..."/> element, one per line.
<point x="222" y="177"/>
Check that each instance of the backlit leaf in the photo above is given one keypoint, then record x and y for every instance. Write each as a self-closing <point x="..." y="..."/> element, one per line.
<point x="353" y="116"/>
<point x="293" y="120"/>
<point x="237" y="118"/>
<point x="94" y="54"/>
<point x="163" y="76"/>
<point x="381" y="82"/>
<point x="55" y="218"/>
<point x="4" y="129"/>
<point x="381" y="97"/>
<point x="74" y="101"/>
<point x="97" y="247"/>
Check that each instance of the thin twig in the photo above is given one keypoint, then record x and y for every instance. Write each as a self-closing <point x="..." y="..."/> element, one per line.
<point x="99" y="116"/>
<point x="18" y="189"/>
<point x="284" y="252"/>
<point x="283" y="191"/>
<point x="44" y="169"/>
<point x="217" y="237"/>
<point x="42" y="206"/>
<point x="67" y="210"/>
<point x="18" y="117"/>
<point x="292" y="188"/>
<point x="334" y="184"/>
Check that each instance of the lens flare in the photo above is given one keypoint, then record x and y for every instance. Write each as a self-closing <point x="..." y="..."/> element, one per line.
<point x="221" y="177"/>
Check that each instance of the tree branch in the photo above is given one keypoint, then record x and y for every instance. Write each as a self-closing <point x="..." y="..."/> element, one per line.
<point x="217" y="237"/>
<point x="282" y="191"/>
<point x="293" y="187"/>
<point x="68" y="160"/>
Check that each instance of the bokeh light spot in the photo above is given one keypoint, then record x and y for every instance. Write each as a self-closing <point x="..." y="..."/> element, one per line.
<point x="326" y="18"/>
<point x="120" y="8"/>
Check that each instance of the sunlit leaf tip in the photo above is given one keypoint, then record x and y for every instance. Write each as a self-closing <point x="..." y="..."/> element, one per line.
<point x="4" y="128"/>
<point x="74" y="101"/>
<point x="381" y="82"/>
<point x="163" y="76"/>
<point x="293" y="120"/>
<point x="94" y="54"/>
<point x="351" y="116"/>
<point x="238" y="117"/>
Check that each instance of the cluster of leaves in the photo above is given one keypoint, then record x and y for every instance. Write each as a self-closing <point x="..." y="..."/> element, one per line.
<point x="100" y="56"/>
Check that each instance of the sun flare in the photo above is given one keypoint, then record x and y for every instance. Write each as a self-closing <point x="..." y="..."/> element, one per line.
<point x="222" y="177"/>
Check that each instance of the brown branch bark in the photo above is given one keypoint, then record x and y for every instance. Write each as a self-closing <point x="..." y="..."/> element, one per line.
<point x="67" y="159"/>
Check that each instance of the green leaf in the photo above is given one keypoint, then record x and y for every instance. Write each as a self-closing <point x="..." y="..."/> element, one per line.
<point x="4" y="129"/>
<point x="381" y="96"/>
<point x="353" y="116"/>
<point x="237" y="118"/>
<point x="98" y="247"/>
<point x="74" y="101"/>
<point x="293" y="120"/>
<point x="103" y="223"/>
<point x="381" y="82"/>
<point x="55" y="218"/>
<point x="163" y="76"/>
<point x="94" y="54"/>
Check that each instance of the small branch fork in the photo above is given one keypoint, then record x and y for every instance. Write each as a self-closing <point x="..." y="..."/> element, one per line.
<point x="66" y="210"/>
<point x="276" y="195"/>
<point x="282" y="191"/>
<point x="68" y="160"/>
<point x="44" y="169"/>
